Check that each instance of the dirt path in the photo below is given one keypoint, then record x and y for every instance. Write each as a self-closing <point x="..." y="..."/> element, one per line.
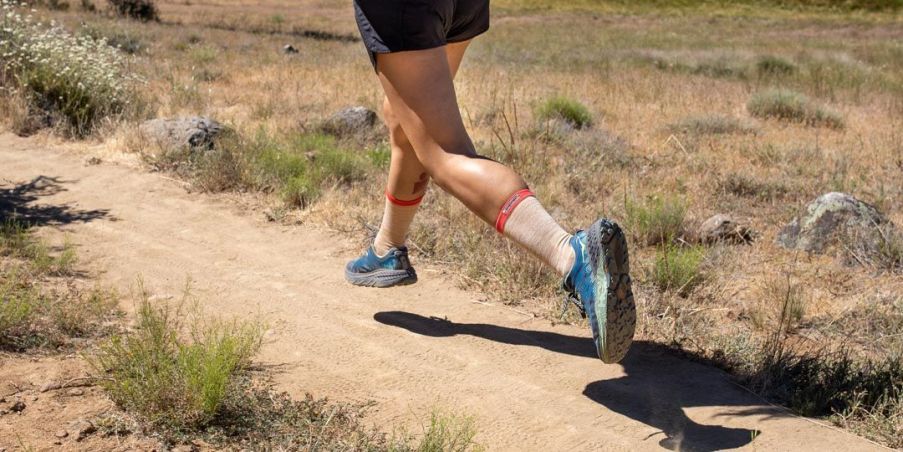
<point x="531" y="386"/>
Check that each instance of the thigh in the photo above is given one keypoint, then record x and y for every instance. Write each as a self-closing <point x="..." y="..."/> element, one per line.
<point x="420" y="88"/>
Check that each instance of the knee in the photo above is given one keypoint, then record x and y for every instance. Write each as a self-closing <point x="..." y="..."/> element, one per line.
<point x="396" y="133"/>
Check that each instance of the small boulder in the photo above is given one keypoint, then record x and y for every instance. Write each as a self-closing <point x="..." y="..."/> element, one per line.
<point x="351" y="121"/>
<point x="722" y="228"/>
<point x="17" y="407"/>
<point x="289" y="49"/>
<point x="83" y="429"/>
<point x="194" y="132"/>
<point x="828" y="217"/>
<point x="61" y="434"/>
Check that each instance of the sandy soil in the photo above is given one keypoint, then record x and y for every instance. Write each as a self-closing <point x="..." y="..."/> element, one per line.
<point x="530" y="385"/>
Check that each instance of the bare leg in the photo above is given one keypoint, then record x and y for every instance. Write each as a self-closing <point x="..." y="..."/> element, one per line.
<point x="408" y="179"/>
<point x="419" y="88"/>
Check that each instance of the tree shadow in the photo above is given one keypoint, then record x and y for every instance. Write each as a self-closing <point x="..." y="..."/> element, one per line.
<point x="658" y="386"/>
<point x="19" y="204"/>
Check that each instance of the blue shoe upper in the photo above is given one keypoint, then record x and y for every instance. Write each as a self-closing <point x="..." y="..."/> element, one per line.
<point x="395" y="259"/>
<point x="580" y="283"/>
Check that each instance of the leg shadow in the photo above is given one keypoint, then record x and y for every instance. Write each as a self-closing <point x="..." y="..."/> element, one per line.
<point x="658" y="386"/>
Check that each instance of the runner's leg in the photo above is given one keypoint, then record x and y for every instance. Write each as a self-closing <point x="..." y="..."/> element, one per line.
<point x="408" y="179"/>
<point x="420" y="90"/>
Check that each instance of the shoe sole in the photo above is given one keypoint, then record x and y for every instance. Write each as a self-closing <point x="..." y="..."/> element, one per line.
<point x="616" y="320"/>
<point x="382" y="278"/>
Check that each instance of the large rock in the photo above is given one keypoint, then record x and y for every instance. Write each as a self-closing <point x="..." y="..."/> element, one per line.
<point x="722" y="228"/>
<point x="830" y="217"/>
<point x="194" y="132"/>
<point x="351" y="121"/>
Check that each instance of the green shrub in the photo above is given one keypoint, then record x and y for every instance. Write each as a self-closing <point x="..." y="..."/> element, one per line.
<point x="711" y="125"/>
<point x="447" y="433"/>
<point x="792" y="106"/>
<point x="655" y="221"/>
<point x="772" y="66"/>
<point x="143" y="10"/>
<point x="171" y="382"/>
<point x="74" y="82"/>
<point x="569" y="110"/>
<point x="678" y="269"/>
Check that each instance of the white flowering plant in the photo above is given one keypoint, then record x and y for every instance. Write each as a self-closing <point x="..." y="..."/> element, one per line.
<point x="77" y="81"/>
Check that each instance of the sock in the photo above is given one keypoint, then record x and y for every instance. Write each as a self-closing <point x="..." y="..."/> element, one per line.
<point x="526" y="222"/>
<point x="397" y="219"/>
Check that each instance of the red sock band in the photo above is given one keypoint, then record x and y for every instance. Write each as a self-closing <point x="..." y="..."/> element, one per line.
<point x="509" y="207"/>
<point x="402" y="203"/>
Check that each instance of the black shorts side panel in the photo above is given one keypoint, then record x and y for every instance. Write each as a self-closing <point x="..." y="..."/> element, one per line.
<point x="399" y="25"/>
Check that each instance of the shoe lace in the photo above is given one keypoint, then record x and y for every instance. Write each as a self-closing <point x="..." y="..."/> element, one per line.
<point x="570" y="298"/>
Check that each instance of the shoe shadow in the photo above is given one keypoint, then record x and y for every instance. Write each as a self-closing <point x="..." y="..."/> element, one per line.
<point x="658" y="386"/>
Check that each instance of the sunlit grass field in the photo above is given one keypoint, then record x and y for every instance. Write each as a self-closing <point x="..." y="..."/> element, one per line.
<point x="680" y="100"/>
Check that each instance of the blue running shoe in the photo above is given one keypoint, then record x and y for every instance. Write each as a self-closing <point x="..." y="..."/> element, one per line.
<point x="393" y="269"/>
<point x="599" y="284"/>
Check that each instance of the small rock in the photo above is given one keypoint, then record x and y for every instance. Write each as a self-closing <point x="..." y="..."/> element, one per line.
<point x="75" y="392"/>
<point x="194" y="132"/>
<point x="828" y="218"/>
<point x="289" y="49"/>
<point x="350" y="121"/>
<point x="722" y="228"/>
<point x="17" y="407"/>
<point x="93" y="161"/>
<point x="83" y="429"/>
<point x="61" y="434"/>
<point x="50" y="386"/>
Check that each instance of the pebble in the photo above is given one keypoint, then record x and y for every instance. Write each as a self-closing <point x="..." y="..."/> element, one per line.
<point x="62" y="434"/>
<point x="50" y="386"/>
<point x="17" y="407"/>
<point x="75" y="392"/>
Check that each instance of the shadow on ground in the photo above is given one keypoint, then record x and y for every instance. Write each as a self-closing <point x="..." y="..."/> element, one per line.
<point x="658" y="386"/>
<point x="20" y="203"/>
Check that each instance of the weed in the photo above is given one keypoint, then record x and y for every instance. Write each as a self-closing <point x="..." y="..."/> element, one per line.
<point x="143" y="10"/>
<point x="678" y="269"/>
<point x="657" y="220"/>
<point x="447" y="433"/>
<point x="792" y="106"/>
<point x="712" y="125"/>
<point x="566" y="109"/>
<point x="172" y="383"/>
<point x="772" y="66"/>
<point x="78" y="82"/>
<point x="746" y="186"/>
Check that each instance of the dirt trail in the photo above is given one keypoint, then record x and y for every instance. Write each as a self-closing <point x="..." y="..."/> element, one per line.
<point x="531" y="386"/>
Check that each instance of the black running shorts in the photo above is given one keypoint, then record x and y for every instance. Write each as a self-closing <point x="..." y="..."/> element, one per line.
<point x="397" y="25"/>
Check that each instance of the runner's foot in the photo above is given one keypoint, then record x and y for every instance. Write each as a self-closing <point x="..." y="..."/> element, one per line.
<point x="370" y="270"/>
<point x="600" y="282"/>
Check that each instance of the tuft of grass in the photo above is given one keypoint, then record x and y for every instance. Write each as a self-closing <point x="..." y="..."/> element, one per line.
<point x="143" y="10"/>
<point x="792" y="106"/>
<point x="32" y="316"/>
<point x="174" y="383"/>
<point x="678" y="269"/>
<point x="657" y="220"/>
<point x="447" y="433"/>
<point x="746" y="186"/>
<point x="712" y="125"/>
<point x="773" y="66"/>
<point x="566" y="109"/>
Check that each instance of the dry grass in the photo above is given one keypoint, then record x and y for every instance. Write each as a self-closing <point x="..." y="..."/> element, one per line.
<point x="668" y="89"/>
